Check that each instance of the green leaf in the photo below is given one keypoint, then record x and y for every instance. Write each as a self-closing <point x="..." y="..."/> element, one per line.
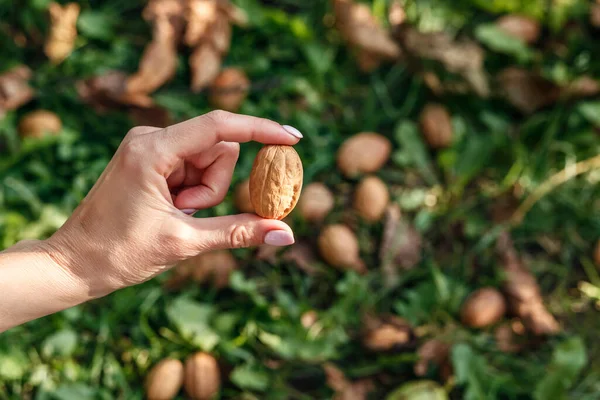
<point x="192" y="320"/>
<point x="96" y="25"/>
<point x="413" y="150"/>
<point x="590" y="111"/>
<point x="13" y="365"/>
<point x="62" y="343"/>
<point x="497" y="40"/>
<point x="320" y="57"/>
<point x="78" y="391"/>
<point x="568" y="359"/>
<point x="250" y="377"/>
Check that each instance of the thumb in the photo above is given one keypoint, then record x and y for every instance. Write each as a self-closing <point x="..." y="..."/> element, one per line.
<point x="243" y="230"/>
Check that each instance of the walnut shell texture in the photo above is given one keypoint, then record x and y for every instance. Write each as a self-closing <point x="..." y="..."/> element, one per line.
<point x="436" y="126"/>
<point x="316" y="202"/>
<point x="38" y="123"/>
<point x="202" y="376"/>
<point x="365" y="152"/>
<point x="164" y="380"/>
<point x="275" y="181"/>
<point x="371" y="198"/>
<point x="339" y="247"/>
<point x="484" y="307"/>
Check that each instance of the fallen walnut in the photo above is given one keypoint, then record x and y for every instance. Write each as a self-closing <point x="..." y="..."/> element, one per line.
<point x="14" y="88"/>
<point x="275" y="181"/>
<point x="63" y="31"/>
<point x="39" y="123"/>
<point x="520" y="27"/>
<point x="524" y="296"/>
<point x="436" y="126"/>
<point x="202" y="376"/>
<point x="482" y="308"/>
<point x="339" y="247"/>
<point x="365" y="152"/>
<point x="229" y="89"/>
<point x="316" y="201"/>
<point x="214" y="266"/>
<point x="386" y="333"/>
<point x="371" y="198"/>
<point x="164" y="380"/>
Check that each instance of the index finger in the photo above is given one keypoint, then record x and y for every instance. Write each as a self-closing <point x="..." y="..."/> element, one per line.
<point x="198" y="134"/>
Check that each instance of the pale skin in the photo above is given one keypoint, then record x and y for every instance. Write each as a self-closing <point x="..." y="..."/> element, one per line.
<point x="134" y="224"/>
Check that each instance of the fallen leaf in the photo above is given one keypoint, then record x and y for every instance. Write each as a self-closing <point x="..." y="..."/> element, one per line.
<point x="361" y="30"/>
<point x="434" y="352"/>
<point x="108" y="91"/>
<point x="14" y="88"/>
<point x="156" y="116"/>
<point x="343" y="388"/>
<point x="303" y="255"/>
<point x="525" y="90"/>
<point x="63" y="31"/>
<point x="205" y="64"/>
<point x="200" y="16"/>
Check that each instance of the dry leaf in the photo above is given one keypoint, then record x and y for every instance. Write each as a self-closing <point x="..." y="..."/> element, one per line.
<point x="361" y="30"/>
<point x="108" y="91"/>
<point x="434" y="352"/>
<point x="63" y="31"/>
<point x="205" y="63"/>
<point x="525" y="90"/>
<point x="303" y="255"/>
<point x="401" y="244"/>
<point x="200" y="16"/>
<point x="14" y="88"/>
<point x="159" y="60"/>
<point x="343" y="388"/>
<point x="156" y="116"/>
<point x="523" y="292"/>
<point x="221" y="34"/>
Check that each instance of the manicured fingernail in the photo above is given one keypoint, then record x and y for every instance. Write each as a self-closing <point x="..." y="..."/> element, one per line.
<point x="189" y="211"/>
<point x="279" y="238"/>
<point x="293" y="131"/>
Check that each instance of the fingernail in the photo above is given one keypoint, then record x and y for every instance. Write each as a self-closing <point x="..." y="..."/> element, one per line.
<point x="293" y="131"/>
<point x="189" y="211"/>
<point x="279" y="238"/>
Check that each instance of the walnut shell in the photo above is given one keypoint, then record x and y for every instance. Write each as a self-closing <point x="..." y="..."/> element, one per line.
<point x="436" y="126"/>
<point x="39" y="123"/>
<point x="520" y="27"/>
<point x="164" y="380"/>
<point x="483" y="307"/>
<point x="275" y="181"/>
<point x="365" y="152"/>
<point x="339" y="247"/>
<point x="387" y="337"/>
<point x="371" y="198"/>
<point x="315" y="202"/>
<point x="229" y="90"/>
<point x="202" y="376"/>
<point x="241" y="197"/>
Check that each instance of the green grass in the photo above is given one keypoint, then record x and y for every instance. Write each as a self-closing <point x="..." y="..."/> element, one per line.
<point x="304" y="75"/>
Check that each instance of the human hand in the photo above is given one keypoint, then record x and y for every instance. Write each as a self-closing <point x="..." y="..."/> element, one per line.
<point x="134" y="223"/>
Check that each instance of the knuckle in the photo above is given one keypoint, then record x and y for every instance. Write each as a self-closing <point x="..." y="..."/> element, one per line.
<point x="132" y="150"/>
<point x="240" y="236"/>
<point x="218" y="116"/>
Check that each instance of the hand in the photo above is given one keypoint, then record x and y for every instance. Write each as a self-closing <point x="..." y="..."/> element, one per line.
<point x="134" y="223"/>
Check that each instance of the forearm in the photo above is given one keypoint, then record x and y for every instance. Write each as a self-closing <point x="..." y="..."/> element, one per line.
<point x="33" y="284"/>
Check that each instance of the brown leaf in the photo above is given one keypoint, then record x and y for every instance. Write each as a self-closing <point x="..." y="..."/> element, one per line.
<point x="205" y="63"/>
<point x="63" y="31"/>
<point x="173" y="11"/>
<point x="360" y="29"/>
<point x="525" y="90"/>
<point x="400" y="246"/>
<point x="523" y="292"/>
<point x="159" y="60"/>
<point x="14" y="88"/>
<point x="433" y="352"/>
<point x="236" y="15"/>
<point x="463" y="57"/>
<point x="303" y="255"/>
<point x="584" y="86"/>
<point x="107" y="91"/>
<point x="200" y="16"/>
<point x="343" y="388"/>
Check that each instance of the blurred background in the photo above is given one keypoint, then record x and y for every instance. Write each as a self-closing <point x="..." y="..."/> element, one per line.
<point x="447" y="231"/>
